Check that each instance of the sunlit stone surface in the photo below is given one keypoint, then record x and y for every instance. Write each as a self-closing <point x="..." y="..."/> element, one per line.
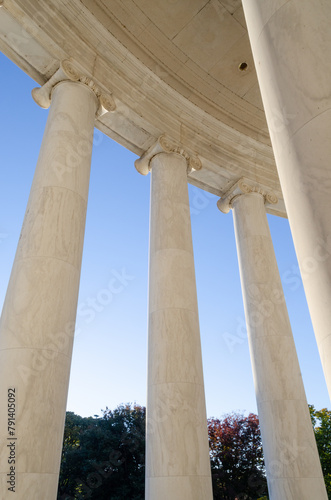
<point x="290" y="40"/>
<point x="38" y="317"/>
<point x="176" y="76"/>
<point x="177" y="452"/>
<point x="290" y="452"/>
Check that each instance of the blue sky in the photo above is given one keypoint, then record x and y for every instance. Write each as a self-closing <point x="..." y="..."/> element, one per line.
<point x="110" y="351"/>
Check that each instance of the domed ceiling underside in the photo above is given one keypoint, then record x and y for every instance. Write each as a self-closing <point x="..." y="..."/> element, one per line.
<point x="179" y="67"/>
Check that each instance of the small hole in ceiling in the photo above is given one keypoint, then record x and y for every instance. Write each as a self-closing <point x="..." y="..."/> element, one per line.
<point x="243" y="66"/>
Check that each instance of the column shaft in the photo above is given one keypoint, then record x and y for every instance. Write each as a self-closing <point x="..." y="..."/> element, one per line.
<point x="291" y="42"/>
<point x="177" y="461"/>
<point x="291" y="457"/>
<point x="37" y="323"/>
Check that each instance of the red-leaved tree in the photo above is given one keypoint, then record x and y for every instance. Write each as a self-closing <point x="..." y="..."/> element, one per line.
<point x="238" y="471"/>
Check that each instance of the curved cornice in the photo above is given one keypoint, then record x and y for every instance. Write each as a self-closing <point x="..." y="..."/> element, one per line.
<point x="147" y="103"/>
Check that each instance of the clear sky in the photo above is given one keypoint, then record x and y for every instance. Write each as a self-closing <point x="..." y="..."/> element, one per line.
<point x="110" y="351"/>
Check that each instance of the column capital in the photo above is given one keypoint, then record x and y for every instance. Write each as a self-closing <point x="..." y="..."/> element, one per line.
<point x="165" y="144"/>
<point x="241" y="187"/>
<point x="69" y="72"/>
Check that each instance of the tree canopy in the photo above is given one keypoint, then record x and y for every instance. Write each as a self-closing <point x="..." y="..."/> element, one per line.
<point x="103" y="458"/>
<point x="321" y="420"/>
<point x="236" y="457"/>
<point x="103" y="455"/>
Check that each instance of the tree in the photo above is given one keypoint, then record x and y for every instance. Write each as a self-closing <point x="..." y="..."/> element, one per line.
<point x="321" y="420"/>
<point x="74" y="427"/>
<point x="103" y="458"/>
<point x="237" y="458"/>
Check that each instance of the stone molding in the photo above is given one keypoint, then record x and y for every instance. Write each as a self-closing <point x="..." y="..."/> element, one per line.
<point x="69" y="72"/>
<point x="165" y="144"/>
<point x="241" y="187"/>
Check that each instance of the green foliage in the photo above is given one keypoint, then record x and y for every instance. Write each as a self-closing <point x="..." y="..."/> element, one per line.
<point x="321" y="420"/>
<point x="103" y="458"/>
<point x="236" y="458"/>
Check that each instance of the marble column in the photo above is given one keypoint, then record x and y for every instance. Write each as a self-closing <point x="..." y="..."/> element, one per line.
<point x="177" y="452"/>
<point x="291" y="457"/>
<point x="291" y="42"/>
<point x="38" y="317"/>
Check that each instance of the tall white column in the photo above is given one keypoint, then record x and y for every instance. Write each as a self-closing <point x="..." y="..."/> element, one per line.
<point x="291" y="43"/>
<point x="291" y="456"/>
<point x="177" y="451"/>
<point x="38" y="317"/>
